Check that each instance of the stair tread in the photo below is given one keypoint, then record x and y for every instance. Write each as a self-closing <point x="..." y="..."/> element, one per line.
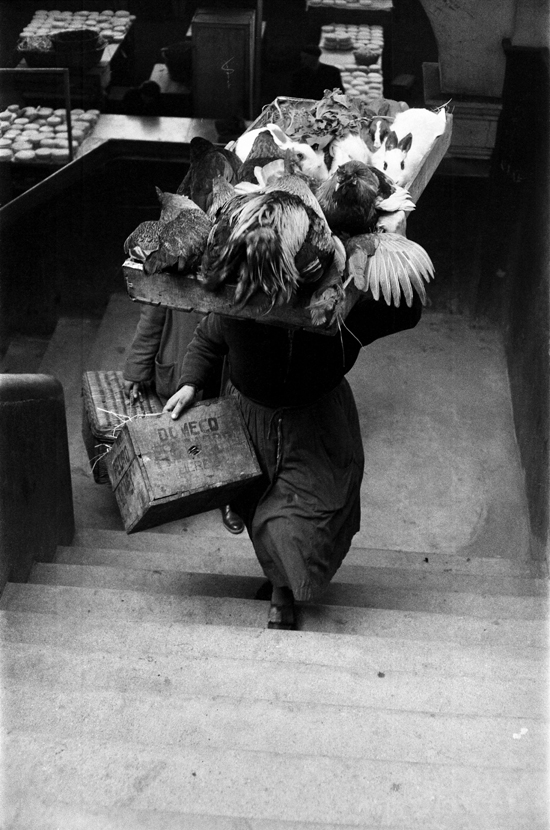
<point x="268" y="785"/>
<point x="131" y="605"/>
<point x="400" y="597"/>
<point x="171" y="676"/>
<point x="89" y="633"/>
<point x="204" y="537"/>
<point x="289" y="728"/>
<point x="219" y="560"/>
<point x="47" y="814"/>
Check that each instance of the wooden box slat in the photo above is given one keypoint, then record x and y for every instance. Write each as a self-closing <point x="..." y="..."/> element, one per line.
<point x="187" y="294"/>
<point x="162" y="470"/>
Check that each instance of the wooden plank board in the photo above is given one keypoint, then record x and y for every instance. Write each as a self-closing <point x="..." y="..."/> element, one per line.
<point x="187" y="294"/>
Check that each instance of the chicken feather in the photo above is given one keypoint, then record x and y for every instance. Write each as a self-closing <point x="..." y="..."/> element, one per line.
<point x="388" y="264"/>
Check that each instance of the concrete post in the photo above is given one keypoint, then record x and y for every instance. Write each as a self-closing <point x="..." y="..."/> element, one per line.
<point x="36" y="506"/>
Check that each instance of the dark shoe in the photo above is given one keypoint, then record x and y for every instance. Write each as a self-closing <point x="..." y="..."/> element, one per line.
<point x="231" y="520"/>
<point x="282" y="616"/>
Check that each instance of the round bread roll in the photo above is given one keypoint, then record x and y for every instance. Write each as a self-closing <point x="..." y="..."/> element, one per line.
<point x="13" y="108"/>
<point x="47" y="142"/>
<point x="60" y="155"/>
<point x="25" y="155"/>
<point x="122" y="13"/>
<point x="5" y="143"/>
<point x="43" y="153"/>
<point x="33" y="138"/>
<point x="6" y="154"/>
<point x="54" y="121"/>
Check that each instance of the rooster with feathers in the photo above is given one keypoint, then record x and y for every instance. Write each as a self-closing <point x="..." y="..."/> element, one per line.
<point x="273" y="241"/>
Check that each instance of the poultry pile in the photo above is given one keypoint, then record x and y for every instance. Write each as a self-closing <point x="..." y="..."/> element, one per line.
<point x="295" y="206"/>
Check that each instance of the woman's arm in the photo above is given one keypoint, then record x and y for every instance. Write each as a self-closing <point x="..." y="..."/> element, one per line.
<point x="140" y="362"/>
<point x="206" y="350"/>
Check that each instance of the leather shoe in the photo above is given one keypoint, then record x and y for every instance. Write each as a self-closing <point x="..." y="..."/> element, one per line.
<point x="231" y="520"/>
<point x="282" y="615"/>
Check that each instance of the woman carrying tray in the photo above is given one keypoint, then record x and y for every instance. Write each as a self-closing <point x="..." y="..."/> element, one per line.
<point x="302" y="419"/>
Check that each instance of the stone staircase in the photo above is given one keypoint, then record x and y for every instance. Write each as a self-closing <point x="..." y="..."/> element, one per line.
<point x="141" y="689"/>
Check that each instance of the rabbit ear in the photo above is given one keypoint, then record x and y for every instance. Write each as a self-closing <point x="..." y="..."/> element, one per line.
<point x="391" y="140"/>
<point x="405" y="143"/>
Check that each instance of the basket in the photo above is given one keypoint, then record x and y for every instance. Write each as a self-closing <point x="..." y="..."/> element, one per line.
<point x="36" y="51"/>
<point x="105" y="410"/>
<point x="78" y="48"/>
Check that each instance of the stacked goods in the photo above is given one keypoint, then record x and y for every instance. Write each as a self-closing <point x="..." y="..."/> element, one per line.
<point x="362" y="72"/>
<point x="357" y="36"/>
<point x="336" y="39"/>
<point x="40" y="133"/>
<point x="111" y="25"/>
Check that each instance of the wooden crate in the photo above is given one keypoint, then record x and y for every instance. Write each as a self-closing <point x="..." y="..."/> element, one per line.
<point x="104" y="410"/>
<point x="163" y="469"/>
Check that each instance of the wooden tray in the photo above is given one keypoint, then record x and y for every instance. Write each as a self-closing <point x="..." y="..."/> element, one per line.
<point x="187" y="294"/>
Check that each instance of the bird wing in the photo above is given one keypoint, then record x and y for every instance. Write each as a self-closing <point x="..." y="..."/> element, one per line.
<point x="181" y="243"/>
<point x="358" y="250"/>
<point x="222" y="192"/>
<point x="143" y="240"/>
<point x="398" y="265"/>
<point x="172" y="205"/>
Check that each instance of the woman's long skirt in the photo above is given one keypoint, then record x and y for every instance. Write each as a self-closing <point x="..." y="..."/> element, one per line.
<point x="303" y="513"/>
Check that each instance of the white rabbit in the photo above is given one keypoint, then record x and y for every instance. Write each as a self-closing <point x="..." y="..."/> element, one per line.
<point x="411" y="136"/>
<point x="350" y="147"/>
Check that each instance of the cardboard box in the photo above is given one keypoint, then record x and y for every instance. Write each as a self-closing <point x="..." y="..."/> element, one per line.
<point x="163" y="469"/>
<point x="104" y="410"/>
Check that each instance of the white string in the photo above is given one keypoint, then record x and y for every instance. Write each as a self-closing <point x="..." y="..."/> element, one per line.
<point x="124" y="419"/>
<point x="352" y="334"/>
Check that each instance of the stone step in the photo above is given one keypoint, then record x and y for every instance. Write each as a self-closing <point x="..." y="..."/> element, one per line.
<point x="171" y="676"/>
<point x="47" y="814"/>
<point x="204" y="535"/>
<point x="88" y="633"/>
<point x="270" y="786"/>
<point x="284" y="728"/>
<point x="241" y="561"/>
<point x="70" y="602"/>
<point x="358" y="595"/>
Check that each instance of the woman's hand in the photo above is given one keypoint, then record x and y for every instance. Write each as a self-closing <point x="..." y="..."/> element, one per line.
<point x="180" y="400"/>
<point x="132" y="390"/>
